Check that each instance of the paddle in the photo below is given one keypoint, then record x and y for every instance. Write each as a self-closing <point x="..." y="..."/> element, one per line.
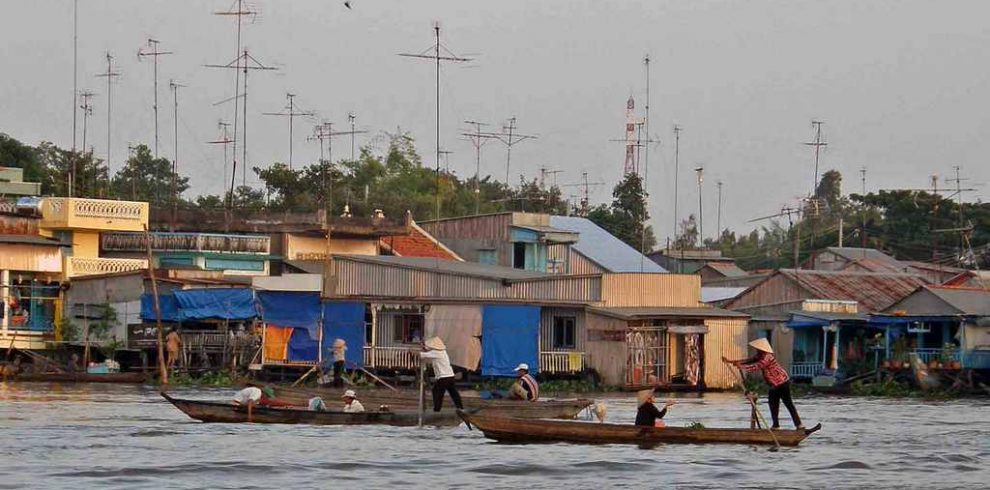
<point x="742" y="382"/>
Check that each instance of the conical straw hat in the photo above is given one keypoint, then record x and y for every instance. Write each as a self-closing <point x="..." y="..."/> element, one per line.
<point x="761" y="345"/>
<point x="435" y="343"/>
<point x="643" y="395"/>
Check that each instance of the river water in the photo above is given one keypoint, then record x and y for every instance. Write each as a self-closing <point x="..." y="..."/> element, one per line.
<point x="105" y="436"/>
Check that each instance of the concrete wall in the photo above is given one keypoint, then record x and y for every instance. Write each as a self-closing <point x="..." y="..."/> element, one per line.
<point x="301" y="247"/>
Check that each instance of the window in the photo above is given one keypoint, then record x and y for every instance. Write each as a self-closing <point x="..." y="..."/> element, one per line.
<point x="564" y="332"/>
<point x="519" y="255"/>
<point x="409" y="328"/>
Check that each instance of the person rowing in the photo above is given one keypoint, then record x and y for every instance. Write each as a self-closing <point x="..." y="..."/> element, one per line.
<point x="775" y="375"/>
<point x="648" y="415"/>
<point x="436" y="354"/>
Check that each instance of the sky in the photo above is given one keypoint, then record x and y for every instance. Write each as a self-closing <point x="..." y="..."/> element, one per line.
<point x="902" y="86"/>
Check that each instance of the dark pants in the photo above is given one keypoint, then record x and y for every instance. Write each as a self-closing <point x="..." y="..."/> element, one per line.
<point x="445" y="384"/>
<point x="338" y="369"/>
<point x="778" y="394"/>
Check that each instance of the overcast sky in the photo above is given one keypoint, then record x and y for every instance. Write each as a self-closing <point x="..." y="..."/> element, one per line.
<point x="902" y="85"/>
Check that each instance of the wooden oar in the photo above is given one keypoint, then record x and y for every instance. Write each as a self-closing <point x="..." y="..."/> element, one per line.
<point x="742" y="382"/>
<point x="306" y="375"/>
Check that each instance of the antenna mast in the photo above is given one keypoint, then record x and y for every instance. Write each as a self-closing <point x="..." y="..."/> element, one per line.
<point x="154" y="53"/>
<point x="292" y="115"/>
<point x="224" y="140"/>
<point x="109" y="75"/>
<point x="478" y="139"/>
<point x="437" y="57"/>
<point x="510" y="138"/>
<point x="87" y="110"/>
<point x="174" y="85"/>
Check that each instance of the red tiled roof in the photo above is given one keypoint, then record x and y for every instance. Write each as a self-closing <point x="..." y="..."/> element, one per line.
<point x="419" y="243"/>
<point x="873" y="291"/>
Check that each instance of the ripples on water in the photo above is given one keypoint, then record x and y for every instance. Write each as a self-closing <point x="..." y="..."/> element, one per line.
<point x="128" y="437"/>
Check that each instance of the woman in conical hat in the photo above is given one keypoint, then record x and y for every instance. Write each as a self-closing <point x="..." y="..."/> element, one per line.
<point x="339" y="359"/>
<point x="648" y="415"/>
<point x="436" y="354"/>
<point x="775" y="375"/>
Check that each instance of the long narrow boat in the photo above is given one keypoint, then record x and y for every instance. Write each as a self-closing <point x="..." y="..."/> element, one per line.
<point x="509" y="429"/>
<point x="229" y="413"/>
<point x="130" y="377"/>
<point x="545" y="409"/>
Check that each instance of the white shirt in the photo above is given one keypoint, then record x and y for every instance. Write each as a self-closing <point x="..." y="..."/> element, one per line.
<point x="354" y="407"/>
<point x="339" y="354"/>
<point x="251" y="393"/>
<point x="440" y="362"/>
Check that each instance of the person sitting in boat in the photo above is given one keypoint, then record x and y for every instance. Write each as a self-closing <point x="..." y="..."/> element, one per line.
<point x="648" y="415"/>
<point x="316" y="404"/>
<point x="525" y="387"/>
<point x="436" y="353"/>
<point x="775" y="375"/>
<point x="351" y="403"/>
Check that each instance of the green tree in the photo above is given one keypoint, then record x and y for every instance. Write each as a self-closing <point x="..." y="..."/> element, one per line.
<point x="146" y="178"/>
<point x="626" y="217"/>
<point x="90" y="173"/>
<point x="15" y="154"/>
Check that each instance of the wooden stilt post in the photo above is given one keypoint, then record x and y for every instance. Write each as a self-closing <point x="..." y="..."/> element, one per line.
<point x="422" y="390"/>
<point x="158" y="309"/>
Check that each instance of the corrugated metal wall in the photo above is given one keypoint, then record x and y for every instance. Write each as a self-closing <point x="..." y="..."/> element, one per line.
<point x="359" y="279"/>
<point x="465" y="236"/>
<point x="635" y="289"/>
<point x="777" y="289"/>
<point x="608" y="357"/>
<point x="579" y="264"/>
<point x="30" y="258"/>
<point x="726" y="337"/>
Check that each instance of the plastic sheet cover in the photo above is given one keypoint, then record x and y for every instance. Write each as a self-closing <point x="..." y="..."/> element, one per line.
<point x="509" y="336"/>
<point x="223" y="304"/>
<point x="344" y="320"/>
<point x="291" y="309"/>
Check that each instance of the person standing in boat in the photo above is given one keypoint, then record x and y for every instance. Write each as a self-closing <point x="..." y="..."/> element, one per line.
<point x="775" y="375"/>
<point x="351" y="403"/>
<point x="436" y="353"/>
<point x="648" y="415"/>
<point x="339" y="359"/>
<point x="525" y="387"/>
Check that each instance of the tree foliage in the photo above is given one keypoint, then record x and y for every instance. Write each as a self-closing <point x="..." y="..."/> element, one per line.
<point x="146" y="178"/>
<point x="626" y="216"/>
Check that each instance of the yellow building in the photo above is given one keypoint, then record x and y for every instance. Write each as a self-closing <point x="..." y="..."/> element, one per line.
<point x="80" y="221"/>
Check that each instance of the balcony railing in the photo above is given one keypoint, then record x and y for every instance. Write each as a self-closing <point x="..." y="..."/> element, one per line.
<point x="806" y="369"/>
<point x="390" y="358"/>
<point x="186" y="242"/>
<point x="88" y="266"/>
<point x="561" y="362"/>
<point x="976" y="359"/>
<point x="93" y="214"/>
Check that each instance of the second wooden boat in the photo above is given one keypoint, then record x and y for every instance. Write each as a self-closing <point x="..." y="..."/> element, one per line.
<point x="131" y="377"/>
<point x="508" y="429"/>
<point x="544" y="409"/>
<point x="227" y="412"/>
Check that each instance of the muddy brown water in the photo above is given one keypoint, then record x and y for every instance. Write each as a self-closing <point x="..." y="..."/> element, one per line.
<point x="105" y="436"/>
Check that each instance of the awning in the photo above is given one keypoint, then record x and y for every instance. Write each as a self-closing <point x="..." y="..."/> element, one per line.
<point x="688" y="329"/>
<point x="901" y="320"/>
<point x="806" y="324"/>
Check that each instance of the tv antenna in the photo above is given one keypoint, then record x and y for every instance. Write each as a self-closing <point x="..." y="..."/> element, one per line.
<point x="110" y="75"/>
<point x="225" y="140"/>
<point x="585" y="192"/>
<point x="152" y="50"/>
<point x="509" y="138"/>
<point x="290" y="112"/>
<point x="478" y="139"/>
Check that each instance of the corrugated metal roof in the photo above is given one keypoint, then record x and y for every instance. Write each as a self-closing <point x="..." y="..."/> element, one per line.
<point x="450" y="266"/>
<point x="728" y="269"/>
<point x="637" y="312"/>
<point x="710" y="294"/>
<point x="870" y="259"/>
<point x="32" y="240"/>
<point x="603" y="248"/>
<point x="824" y="315"/>
<point x="874" y="291"/>
<point x="969" y="301"/>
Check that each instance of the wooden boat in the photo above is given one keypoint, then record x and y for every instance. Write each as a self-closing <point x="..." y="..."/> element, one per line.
<point x="547" y="409"/>
<point x="130" y="377"/>
<point x="508" y="429"/>
<point x="229" y="413"/>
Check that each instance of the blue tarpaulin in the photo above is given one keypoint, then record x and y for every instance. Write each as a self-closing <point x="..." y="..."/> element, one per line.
<point x="344" y="320"/>
<point x="223" y="304"/>
<point x="302" y="347"/>
<point x="298" y="310"/>
<point x="166" y="303"/>
<point x="509" y="336"/>
<point x="807" y="323"/>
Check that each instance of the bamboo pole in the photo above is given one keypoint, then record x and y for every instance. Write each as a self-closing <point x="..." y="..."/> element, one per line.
<point x="422" y="390"/>
<point x="158" y="309"/>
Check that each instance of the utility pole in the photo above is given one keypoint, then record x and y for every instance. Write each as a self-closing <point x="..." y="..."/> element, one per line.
<point x="818" y="144"/>
<point x="701" y="223"/>
<point x="224" y="140"/>
<point x="959" y="202"/>
<point x="862" y="234"/>
<point x="439" y="53"/>
<point x="718" y="220"/>
<point x="934" y="218"/>
<point x="352" y="118"/>
<point x="292" y="114"/>
<point x="75" y="81"/>
<point x="646" y="123"/>
<point x="154" y="53"/>
<point x="478" y="139"/>
<point x="172" y="84"/>
<point x="677" y="166"/>
<point x="243" y="64"/>
<point x="109" y="75"/>
<point x="510" y="138"/>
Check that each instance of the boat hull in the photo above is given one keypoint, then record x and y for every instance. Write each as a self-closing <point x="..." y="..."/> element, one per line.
<point x="513" y="430"/>
<point x="548" y="409"/>
<point x="220" y="412"/>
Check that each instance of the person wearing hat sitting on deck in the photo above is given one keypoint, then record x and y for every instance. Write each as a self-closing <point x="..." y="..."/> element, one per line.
<point x="351" y="403"/>
<point x="775" y="375"/>
<point x="526" y="387"/>
<point x="648" y="415"/>
<point x="436" y="353"/>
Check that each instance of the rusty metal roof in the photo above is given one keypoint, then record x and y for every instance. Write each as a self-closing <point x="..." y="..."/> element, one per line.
<point x="873" y="291"/>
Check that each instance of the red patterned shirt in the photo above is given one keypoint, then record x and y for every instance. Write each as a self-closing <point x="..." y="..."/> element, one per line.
<point x="773" y="372"/>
